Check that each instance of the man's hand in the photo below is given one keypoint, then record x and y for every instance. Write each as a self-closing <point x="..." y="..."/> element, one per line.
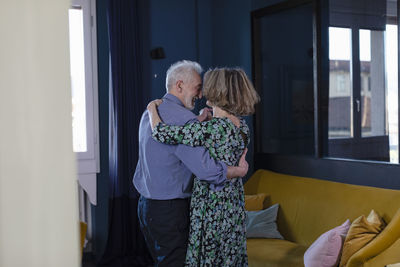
<point x="205" y="115"/>
<point x="240" y="170"/>
<point x="243" y="165"/>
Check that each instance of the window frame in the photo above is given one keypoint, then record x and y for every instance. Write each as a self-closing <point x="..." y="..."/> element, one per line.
<point x="364" y="172"/>
<point x="88" y="163"/>
<point x="355" y="146"/>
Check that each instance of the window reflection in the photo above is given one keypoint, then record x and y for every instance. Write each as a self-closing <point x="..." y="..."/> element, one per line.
<point x="284" y="78"/>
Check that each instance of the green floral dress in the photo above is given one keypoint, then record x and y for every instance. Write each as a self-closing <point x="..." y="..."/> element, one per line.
<point x="217" y="235"/>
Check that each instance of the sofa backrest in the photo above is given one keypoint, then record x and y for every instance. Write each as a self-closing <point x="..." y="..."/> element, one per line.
<point x="310" y="207"/>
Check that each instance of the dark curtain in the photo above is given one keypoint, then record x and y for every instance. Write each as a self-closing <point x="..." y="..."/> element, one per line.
<point x="125" y="244"/>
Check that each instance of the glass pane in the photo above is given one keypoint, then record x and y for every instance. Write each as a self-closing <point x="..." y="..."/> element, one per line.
<point x="372" y="83"/>
<point x="391" y="65"/>
<point x="340" y="83"/>
<point x="366" y="122"/>
<point x="285" y="75"/>
<point x="365" y="82"/>
<point x="77" y="64"/>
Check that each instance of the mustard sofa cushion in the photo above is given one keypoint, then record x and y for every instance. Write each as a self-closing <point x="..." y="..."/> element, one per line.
<point x="255" y="202"/>
<point x="274" y="253"/>
<point x="361" y="232"/>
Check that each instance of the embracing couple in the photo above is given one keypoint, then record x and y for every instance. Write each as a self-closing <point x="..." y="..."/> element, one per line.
<point x="191" y="209"/>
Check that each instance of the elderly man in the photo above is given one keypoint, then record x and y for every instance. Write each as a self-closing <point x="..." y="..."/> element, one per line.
<point x="163" y="174"/>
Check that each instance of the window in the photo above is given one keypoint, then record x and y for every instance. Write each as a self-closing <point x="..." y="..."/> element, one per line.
<point x="83" y="62"/>
<point x="78" y="87"/>
<point x="340" y="83"/>
<point x="363" y="57"/>
<point x="353" y="116"/>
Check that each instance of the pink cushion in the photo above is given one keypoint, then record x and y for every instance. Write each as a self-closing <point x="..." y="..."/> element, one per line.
<point x="325" y="251"/>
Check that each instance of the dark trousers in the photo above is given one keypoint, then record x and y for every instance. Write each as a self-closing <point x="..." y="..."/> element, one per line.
<point x="165" y="226"/>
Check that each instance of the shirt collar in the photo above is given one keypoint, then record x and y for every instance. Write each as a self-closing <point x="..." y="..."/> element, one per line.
<point x="173" y="98"/>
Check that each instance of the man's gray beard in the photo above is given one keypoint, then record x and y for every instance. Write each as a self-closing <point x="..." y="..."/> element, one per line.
<point x="192" y="104"/>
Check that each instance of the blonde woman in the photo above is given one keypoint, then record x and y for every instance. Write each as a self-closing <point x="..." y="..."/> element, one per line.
<point x="217" y="235"/>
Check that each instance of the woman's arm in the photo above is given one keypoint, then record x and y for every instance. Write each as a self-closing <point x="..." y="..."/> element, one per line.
<point x="198" y="134"/>
<point x="192" y="134"/>
<point x="153" y="113"/>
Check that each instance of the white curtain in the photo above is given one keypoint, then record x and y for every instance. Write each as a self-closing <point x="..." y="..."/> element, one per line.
<point x="38" y="186"/>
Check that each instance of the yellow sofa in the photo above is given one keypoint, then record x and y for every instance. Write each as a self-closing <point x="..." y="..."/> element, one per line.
<point x="309" y="207"/>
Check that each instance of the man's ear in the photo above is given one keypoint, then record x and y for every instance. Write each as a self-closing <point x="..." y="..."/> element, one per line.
<point x="179" y="86"/>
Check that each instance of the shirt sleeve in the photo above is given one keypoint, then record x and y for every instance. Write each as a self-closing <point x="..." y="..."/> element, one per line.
<point x="192" y="134"/>
<point x="192" y="153"/>
<point x="198" y="161"/>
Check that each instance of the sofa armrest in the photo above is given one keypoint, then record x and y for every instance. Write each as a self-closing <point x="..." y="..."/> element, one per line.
<point x="382" y="242"/>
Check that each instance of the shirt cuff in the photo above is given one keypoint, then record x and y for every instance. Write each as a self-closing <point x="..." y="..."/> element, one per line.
<point x="222" y="181"/>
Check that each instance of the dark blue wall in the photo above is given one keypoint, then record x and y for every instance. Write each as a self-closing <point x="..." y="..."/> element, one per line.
<point x="215" y="33"/>
<point x="231" y="44"/>
<point x="231" y="34"/>
<point x="173" y="27"/>
<point x="257" y="4"/>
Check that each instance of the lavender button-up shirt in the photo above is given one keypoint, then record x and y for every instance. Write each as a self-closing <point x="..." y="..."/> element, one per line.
<point x="165" y="171"/>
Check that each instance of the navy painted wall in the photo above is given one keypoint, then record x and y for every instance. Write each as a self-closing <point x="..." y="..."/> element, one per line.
<point x="231" y="44"/>
<point x="212" y="32"/>
<point x="257" y="4"/>
<point x="173" y="27"/>
<point x="231" y="34"/>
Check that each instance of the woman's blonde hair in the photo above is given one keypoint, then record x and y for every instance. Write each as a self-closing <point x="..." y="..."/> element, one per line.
<point x="231" y="90"/>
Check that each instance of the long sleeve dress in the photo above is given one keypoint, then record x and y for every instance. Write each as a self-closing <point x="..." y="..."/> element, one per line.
<point x="217" y="235"/>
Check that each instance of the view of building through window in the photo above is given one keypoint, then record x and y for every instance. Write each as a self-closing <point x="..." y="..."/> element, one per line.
<point x="340" y="83"/>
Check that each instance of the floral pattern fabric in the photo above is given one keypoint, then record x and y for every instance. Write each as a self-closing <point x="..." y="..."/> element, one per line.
<point x="217" y="235"/>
